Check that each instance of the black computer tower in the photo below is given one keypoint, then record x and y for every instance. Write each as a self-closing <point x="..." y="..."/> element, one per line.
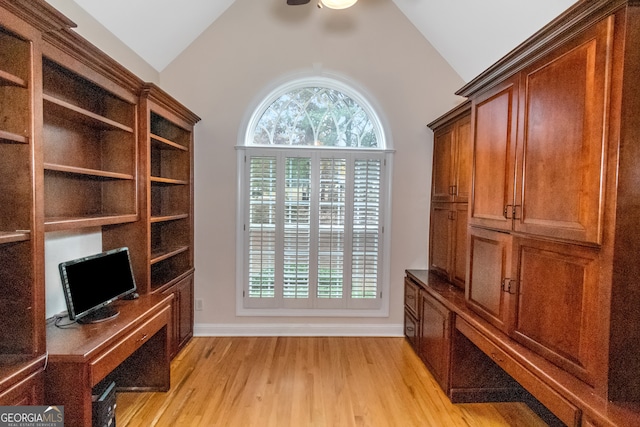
<point x="104" y="405"/>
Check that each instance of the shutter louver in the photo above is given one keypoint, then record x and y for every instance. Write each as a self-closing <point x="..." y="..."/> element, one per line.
<point x="262" y="227"/>
<point x="331" y="221"/>
<point x="366" y="228"/>
<point x="297" y="227"/>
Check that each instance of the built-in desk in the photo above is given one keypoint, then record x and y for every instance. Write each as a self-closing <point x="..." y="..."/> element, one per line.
<point x="133" y="350"/>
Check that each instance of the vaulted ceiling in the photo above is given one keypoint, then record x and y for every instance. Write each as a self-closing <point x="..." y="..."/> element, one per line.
<point x="469" y="34"/>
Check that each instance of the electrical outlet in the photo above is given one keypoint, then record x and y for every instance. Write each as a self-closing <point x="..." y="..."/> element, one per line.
<point x="198" y="304"/>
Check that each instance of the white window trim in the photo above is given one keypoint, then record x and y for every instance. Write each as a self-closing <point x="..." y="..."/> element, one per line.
<point x="242" y="150"/>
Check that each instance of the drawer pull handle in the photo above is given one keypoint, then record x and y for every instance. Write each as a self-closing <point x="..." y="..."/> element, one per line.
<point x="496" y="357"/>
<point x="410" y="297"/>
<point x="409" y="328"/>
<point x="144" y="337"/>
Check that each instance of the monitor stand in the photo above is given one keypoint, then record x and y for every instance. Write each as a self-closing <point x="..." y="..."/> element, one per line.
<point x="100" y="315"/>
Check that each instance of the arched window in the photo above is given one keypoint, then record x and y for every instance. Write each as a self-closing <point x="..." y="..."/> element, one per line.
<point x="313" y="185"/>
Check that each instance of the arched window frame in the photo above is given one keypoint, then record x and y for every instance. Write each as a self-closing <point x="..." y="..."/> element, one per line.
<point x="246" y="148"/>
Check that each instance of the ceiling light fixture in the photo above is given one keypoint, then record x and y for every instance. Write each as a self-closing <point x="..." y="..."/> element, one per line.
<point x="337" y="4"/>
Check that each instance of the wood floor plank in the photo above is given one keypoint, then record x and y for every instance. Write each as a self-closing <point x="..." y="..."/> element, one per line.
<point x="306" y="381"/>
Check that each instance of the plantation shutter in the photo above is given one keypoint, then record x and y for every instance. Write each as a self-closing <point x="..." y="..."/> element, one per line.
<point x="366" y="225"/>
<point x="262" y="226"/>
<point x="314" y="230"/>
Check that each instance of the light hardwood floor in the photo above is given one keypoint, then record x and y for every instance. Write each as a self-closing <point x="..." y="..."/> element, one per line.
<point x="306" y="381"/>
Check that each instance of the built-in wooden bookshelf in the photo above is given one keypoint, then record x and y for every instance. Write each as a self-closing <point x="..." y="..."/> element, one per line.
<point x="90" y="152"/>
<point x="167" y="132"/>
<point x="22" y="302"/>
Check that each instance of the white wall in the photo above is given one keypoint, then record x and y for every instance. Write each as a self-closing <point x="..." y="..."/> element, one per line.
<point x="100" y="37"/>
<point x="244" y="53"/>
<point x="63" y="246"/>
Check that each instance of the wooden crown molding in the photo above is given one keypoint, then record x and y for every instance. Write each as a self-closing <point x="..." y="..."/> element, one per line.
<point x="90" y="56"/>
<point x="451" y="115"/>
<point x="154" y="93"/>
<point x="39" y="14"/>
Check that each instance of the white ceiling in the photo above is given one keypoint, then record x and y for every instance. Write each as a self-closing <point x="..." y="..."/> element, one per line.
<point x="469" y="34"/>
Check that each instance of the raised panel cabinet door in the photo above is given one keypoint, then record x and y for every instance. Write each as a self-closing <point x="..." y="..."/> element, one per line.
<point x="458" y="264"/>
<point x="440" y="238"/>
<point x="564" y="105"/>
<point x="435" y="338"/>
<point x="557" y="305"/>
<point x="463" y="153"/>
<point x="184" y="293"/>
<point x="494" y="118"/>
<point x="443" y="166"/>
<point x="489" y="283"/>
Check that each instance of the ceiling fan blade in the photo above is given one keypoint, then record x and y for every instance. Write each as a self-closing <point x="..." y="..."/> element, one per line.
<point x="297" y="2"/>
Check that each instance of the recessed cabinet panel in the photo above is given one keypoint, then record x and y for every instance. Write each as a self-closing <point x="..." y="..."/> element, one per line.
<point x="440" y="238"/>
<point x="443" y="164"/>
<point x="463" y="160"/>
<point x="435" y="338"/>
<point x="557" y="304"/>
<point x="488" y="291"/>
<point x="458" y="274"/>
<point x="448" y="241"/>
<point x="565" y="104"/>
<point x="494" y="146"/>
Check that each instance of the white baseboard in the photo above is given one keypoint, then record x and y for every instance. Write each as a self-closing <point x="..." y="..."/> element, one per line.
<point x="301" y="330"/>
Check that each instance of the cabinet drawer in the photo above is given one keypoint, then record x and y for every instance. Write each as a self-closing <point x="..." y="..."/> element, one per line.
<point x="122" y="349"/>
<point x="411" y="291"/>
<point x="411" y="329"/>
<point x="27" y="392"/>
<point x="562" y="408"/>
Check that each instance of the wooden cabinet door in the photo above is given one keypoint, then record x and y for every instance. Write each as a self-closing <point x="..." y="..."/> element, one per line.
<point x="494" y="115"/>
<point x="435" y="338"/>
<point x="184" y="291"/>
<point x="443" y="165"/>
<point x="557" y="306"/>
<point x="458" y="252"/>
<point x="489" y="276"/>
<point x="182" y="313"/>
<point x="463" y="153"/>
<point x="448" y="241"/>
<point x="440" y="238"/>
<point x="563" y="108"/>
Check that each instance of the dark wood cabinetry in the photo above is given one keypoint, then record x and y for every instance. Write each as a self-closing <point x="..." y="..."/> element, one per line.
<point x="83" y="143"/>
<point x="545" y="129"/>
<point x="22" y="305"/>
<point x="452" y="156"/>
<point x="551" y="270"/>
<point x="449" y="194"/>
<point x="167" y="136"/>
<point x="434" y="344"/>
